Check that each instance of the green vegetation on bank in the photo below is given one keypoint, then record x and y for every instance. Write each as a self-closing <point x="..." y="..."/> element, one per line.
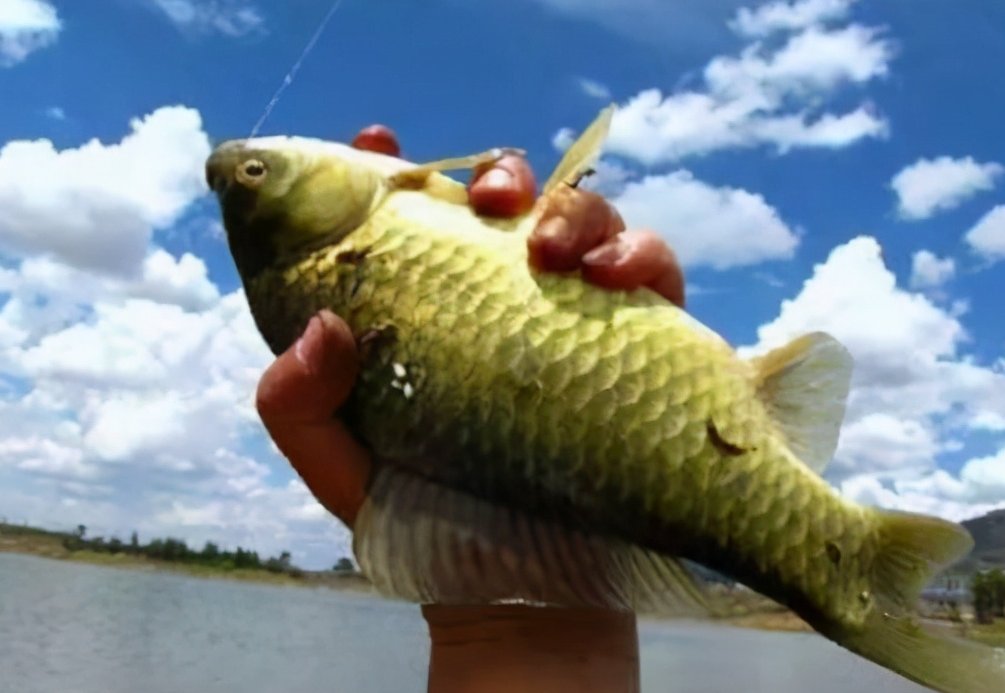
<point x="988" y="589"/>
<point x="174" y="550"/>
<point x="210" y="561"/>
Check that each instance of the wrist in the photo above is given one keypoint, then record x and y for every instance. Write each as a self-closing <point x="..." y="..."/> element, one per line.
<point x="491" y="649"/>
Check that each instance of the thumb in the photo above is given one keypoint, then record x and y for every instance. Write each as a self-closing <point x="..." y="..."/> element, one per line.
<point x="297" y="399"/>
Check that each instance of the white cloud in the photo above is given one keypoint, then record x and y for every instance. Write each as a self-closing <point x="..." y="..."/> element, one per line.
<point x="766" y="96"/>
<point x="914" y="390"/>
<point x="979" y="489"/>
<point x="828" y="131"/>
<point x="609" y="178"/>
<point x="46" y="456"/>
<point x="227" y="17"/>
<point x="720" y="227"/>
<point x="563" y="139"/>
<point x="929" y="271"/>
<point x="126" y="380"/>
<point x="55" y="112"/>
<point x="137" y="416"/>
<point x="777" y="16"/>
<point x="25" y="27"/>
<point x="96" y="206"/>
<point x="593" y="88"/>
<point x="813" y="61"/>
<point x="881" y="442"/>
<point x="987" y="237"/>
<point x="988" y="421"/>
<point x="929" y="186"/>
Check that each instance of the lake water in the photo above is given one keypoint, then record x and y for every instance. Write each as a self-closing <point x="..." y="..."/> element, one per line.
<point x="69" y="627"/>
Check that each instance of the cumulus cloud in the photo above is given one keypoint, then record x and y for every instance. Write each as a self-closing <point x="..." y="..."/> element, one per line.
<point x="772" y="93"/>
<point x="227" y="17"/>
<point x="929" y="186"/>
<point x="773" y="17"/>
<point x="126" y="378"/>
<point x="96" y="206"/>
<point x="815" y="60"/>
<point x="914" y="388"/>
<point x="765" y="96"/>
<point x="25" y="27"/>
<point x="929" y="271"/>
<point x="987" y="237"/>
<point x="719" y="227"/>
<point x="142" y="415"/>
<point x="563" y="139"/>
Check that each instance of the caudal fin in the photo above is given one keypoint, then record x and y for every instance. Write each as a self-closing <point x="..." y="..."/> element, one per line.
<point x="913" y="548"/>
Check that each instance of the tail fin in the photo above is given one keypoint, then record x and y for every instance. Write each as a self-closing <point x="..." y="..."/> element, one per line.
<point x="913" y="548"/>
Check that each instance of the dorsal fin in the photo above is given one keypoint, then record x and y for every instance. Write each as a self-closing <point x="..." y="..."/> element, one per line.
<point x="584" y="151"/>
<point x="805" y="386"/>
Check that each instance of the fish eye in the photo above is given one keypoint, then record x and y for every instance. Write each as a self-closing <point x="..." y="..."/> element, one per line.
<point x="251" y="173"/>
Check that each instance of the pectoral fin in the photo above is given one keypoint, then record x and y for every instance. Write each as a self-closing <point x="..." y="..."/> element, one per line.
<point x="583" y="153"/>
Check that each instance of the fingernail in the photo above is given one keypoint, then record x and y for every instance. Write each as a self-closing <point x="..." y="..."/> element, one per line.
<point x="310" y="347"/>
<point x="611" y="253"/>
<point x="496" y="178"/>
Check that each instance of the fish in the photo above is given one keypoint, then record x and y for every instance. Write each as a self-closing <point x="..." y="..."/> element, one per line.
<point x="540" y="440"/>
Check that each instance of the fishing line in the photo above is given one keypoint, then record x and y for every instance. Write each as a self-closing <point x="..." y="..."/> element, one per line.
<point x="288" y="79"/>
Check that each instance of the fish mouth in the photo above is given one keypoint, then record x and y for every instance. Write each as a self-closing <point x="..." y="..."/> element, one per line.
<point x="221" y="164"/>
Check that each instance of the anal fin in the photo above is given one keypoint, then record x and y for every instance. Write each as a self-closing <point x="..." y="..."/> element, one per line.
<point x="422" y="542"/>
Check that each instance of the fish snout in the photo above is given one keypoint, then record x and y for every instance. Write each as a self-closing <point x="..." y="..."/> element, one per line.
<point x="221" y="164"/>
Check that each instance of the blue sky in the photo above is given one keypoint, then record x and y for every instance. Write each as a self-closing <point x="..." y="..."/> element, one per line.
<point x="818" y="164"/>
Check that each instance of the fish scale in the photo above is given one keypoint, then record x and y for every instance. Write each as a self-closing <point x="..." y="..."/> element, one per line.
<point x="541" y="439"/>
<point x="663" y="412"/>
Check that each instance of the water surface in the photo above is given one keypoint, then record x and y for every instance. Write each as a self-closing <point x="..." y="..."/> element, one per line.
<point x="74" y="627"/>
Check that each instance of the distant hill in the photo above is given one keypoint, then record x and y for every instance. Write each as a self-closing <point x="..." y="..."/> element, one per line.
<point x="988" y="532"/>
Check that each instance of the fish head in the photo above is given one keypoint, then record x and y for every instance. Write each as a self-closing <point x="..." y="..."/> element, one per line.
<point x="284" y="196"/>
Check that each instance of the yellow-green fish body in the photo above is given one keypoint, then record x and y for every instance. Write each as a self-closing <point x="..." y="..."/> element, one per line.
<point x="543" y="439"/>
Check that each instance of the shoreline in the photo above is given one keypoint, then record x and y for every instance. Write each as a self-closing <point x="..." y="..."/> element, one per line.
<point x="50" y="548"/>
<point x="751" y="611"/>
<point x="757" y="613"/>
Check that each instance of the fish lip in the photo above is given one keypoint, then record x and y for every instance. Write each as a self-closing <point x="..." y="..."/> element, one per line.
<point x="219" y="167"/>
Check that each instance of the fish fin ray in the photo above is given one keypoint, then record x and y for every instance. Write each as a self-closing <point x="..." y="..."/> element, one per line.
<point x="583" y="152"/>
<point x="912" y="549"/>
<point x="919" y="652"/>
<point x="420" y="541"/>
<point x="805" y="386"/>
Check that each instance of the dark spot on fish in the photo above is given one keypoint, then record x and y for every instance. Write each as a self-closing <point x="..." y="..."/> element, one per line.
<point x="353" y="256"/>
<point x="375" y="337"/>
<point x="357" y="282"/>
<point x="833" y="552"/>
<point x="720" y="443"/>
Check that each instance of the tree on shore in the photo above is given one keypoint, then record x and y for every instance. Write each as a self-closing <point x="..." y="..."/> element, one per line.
<point x="175" y="550"/>
<point x="988" y="588"/>
<point x="344" y="565"/>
